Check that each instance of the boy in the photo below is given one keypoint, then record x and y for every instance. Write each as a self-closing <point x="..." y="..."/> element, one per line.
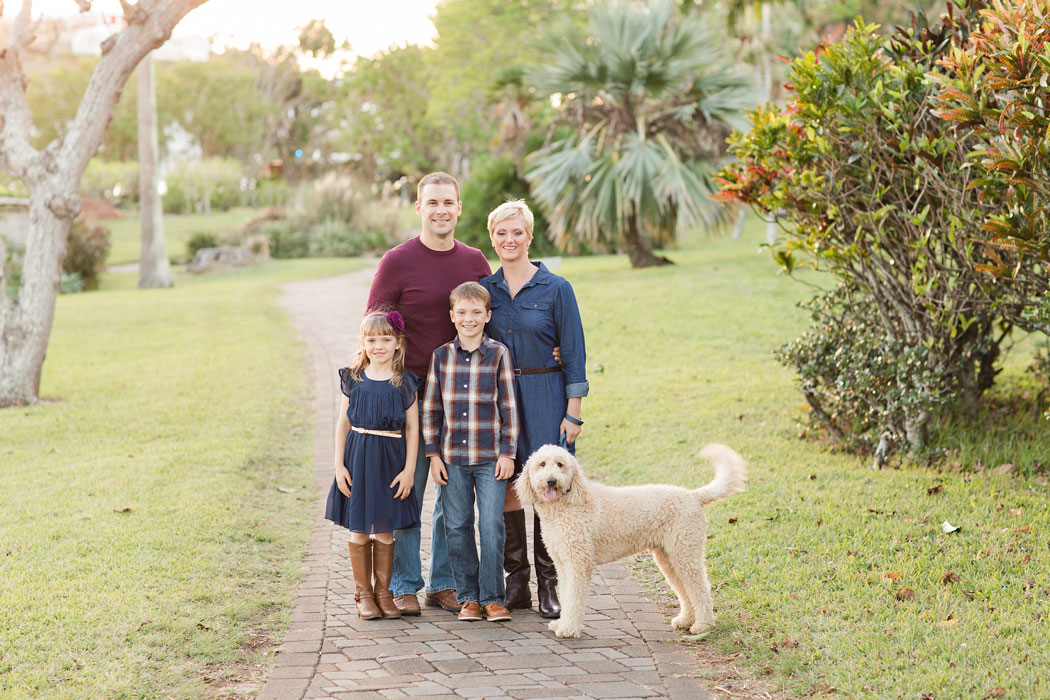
<point x="470" y="424"/>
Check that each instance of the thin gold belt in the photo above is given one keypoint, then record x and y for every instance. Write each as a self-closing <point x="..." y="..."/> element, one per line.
<point x="383" y="433"/>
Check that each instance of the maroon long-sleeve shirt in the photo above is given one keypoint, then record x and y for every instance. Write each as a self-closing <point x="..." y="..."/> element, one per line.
<point x="416" y="281"/>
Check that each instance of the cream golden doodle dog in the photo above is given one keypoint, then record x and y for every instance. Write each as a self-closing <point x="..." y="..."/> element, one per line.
<point x="586" y="524"/>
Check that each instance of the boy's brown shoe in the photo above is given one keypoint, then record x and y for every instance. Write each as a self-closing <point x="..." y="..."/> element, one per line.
<point x="496" y="612"/>
<point x="470" y="612"/>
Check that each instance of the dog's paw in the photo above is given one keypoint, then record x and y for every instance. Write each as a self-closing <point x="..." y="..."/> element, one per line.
<point x="682" y="621"/>
<point x="562" y="629"/>
<point x="699" y="627"/>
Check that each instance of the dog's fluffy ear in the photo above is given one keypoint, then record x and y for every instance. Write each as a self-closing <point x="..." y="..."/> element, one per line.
<point x="524" y="483"/>
<point x="577" y="493"/>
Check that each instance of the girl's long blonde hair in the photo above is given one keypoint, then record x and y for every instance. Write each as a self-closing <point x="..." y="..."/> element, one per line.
<point x="379" y="323"/>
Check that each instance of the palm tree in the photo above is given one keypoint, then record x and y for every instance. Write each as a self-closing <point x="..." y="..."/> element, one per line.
<point x="651" y="99"/>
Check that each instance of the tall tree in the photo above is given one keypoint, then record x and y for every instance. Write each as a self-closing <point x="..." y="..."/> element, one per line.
<point x="154" y="268"/>
<point x="651" y="100"/>
<point x="52" y="175"/>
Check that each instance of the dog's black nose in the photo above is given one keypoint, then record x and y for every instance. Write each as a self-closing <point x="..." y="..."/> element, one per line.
<point x="552" y="482"/>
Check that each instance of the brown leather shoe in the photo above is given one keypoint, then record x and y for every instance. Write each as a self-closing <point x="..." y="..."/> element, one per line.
<point x="445" y="599"/>
<point x="495" y="612"/>
<point x="408" y="604"/>
<point x="470" y="612"/>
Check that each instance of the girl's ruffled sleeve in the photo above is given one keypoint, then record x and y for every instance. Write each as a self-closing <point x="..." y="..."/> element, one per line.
<point x="409" y="389"/>
<point x="346" y="382"/>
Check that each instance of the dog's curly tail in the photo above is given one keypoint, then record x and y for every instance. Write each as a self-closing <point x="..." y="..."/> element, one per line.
<point x="730" y="473"/>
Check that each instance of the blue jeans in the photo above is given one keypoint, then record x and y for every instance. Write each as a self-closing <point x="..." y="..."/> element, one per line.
<point x="408" y="569"/>
<point x="474" y="584"/>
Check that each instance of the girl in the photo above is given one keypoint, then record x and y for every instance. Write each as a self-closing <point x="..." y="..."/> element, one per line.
<point x="375" y="463"/>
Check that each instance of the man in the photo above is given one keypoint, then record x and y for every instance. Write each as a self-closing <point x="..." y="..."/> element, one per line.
<point x="416" y="278"/>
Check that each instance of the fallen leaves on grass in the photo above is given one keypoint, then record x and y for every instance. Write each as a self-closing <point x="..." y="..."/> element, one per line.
<point x="933" y="490"/>
<point x="948" y="527"/>
<point x="996" y="692"/>
<point x="790" y="643"/>
<point x="1004" y="469"/>
<point x="1015" y="511"/>
<point x="892" y="575"/>
<point x="950" y="577"/>
<point x="285" y="489"/>
<point x="905" y="594"/>
<point x="122" y="511"/>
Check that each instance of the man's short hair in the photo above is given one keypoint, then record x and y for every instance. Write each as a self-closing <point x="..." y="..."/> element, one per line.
<point x="470" y="291"/>
<point x="514" y="209"/>
<point x="438" y="178"/>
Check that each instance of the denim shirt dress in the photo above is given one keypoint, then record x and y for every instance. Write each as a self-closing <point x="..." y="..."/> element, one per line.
<point x="542" y="316"/>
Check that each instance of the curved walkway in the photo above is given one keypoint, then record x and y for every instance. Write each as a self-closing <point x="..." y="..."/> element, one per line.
<point x="328" y="652"/>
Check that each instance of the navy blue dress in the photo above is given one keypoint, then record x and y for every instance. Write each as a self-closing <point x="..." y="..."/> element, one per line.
<point x="541" y="316"/>
<point x="374" y="460"/>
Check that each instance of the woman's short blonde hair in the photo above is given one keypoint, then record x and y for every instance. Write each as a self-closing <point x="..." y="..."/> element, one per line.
<point x="514" y="209"/>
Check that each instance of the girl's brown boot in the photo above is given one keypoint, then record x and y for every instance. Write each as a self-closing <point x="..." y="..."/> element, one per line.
<point x="383" y="570"/>
<point x="361" y="562"/>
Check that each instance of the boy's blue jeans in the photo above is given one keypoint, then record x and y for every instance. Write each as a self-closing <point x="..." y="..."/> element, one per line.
<point x="475" y="584"/>
<point x="408" y="569"/>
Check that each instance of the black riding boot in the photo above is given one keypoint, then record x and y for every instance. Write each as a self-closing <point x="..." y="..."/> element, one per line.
<point x="546" y="574"/>
<point x="516" y="562"/>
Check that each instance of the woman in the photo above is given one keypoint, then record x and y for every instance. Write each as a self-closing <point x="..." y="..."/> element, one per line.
<point x="534" y="312"/>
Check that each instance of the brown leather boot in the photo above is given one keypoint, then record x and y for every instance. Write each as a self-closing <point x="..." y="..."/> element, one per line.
<point x="361" y="562"/>
<point x="546" y="574"/>
<point x="383" y="570"/>
<point x="516" y="562"/>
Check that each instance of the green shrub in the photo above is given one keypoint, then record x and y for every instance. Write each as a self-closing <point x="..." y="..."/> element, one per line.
<point x="492" y="182"/>
<point x="875" y="189"/>
<point x="86" y="251"/>
<point x="198" y="186"/>
<point x="71" y="283"/>
<point x="199" y="240"/>
<point x="995" y="91"/>
<point x="287" y="239"/>
<point x="333" y="238"/>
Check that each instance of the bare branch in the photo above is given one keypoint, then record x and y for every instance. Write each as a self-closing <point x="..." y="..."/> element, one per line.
<point x="20" y="35"/>
<point x="134" y="14"/>
<point x="122" y="52"/>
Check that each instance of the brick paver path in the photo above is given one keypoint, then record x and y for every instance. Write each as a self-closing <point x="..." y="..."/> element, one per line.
<point x="329" y="652"/>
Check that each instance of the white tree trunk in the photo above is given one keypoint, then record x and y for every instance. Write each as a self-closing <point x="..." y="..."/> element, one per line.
<point x="25" y="321"/>
<point x="52" y="176"/>
<point x="154" y="268"/>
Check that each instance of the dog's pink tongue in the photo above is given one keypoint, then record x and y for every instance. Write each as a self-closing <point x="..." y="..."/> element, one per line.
<point x="551" y="494"/>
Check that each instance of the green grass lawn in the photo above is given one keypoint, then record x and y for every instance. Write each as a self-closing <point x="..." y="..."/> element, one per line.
<point x="808" y="562"/>
<point x="145" y="549"/>
<point x="188" y="406"/>
<point x="125" y="241"/>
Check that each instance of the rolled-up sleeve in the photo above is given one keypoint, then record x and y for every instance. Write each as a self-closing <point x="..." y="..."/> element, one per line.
<point x="570" y="339"/>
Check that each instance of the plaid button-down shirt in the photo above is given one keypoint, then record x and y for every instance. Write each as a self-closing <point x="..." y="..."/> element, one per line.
<point x="469" y="413"/>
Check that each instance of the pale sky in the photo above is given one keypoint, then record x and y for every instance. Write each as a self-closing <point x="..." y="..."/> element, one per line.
<point x="369" y="25"/>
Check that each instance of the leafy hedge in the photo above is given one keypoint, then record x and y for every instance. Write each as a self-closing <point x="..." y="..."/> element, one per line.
<point x="876" y="189"/>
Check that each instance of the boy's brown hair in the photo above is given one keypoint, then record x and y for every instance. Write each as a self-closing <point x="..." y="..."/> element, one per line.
<point x="470" y="291"/>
